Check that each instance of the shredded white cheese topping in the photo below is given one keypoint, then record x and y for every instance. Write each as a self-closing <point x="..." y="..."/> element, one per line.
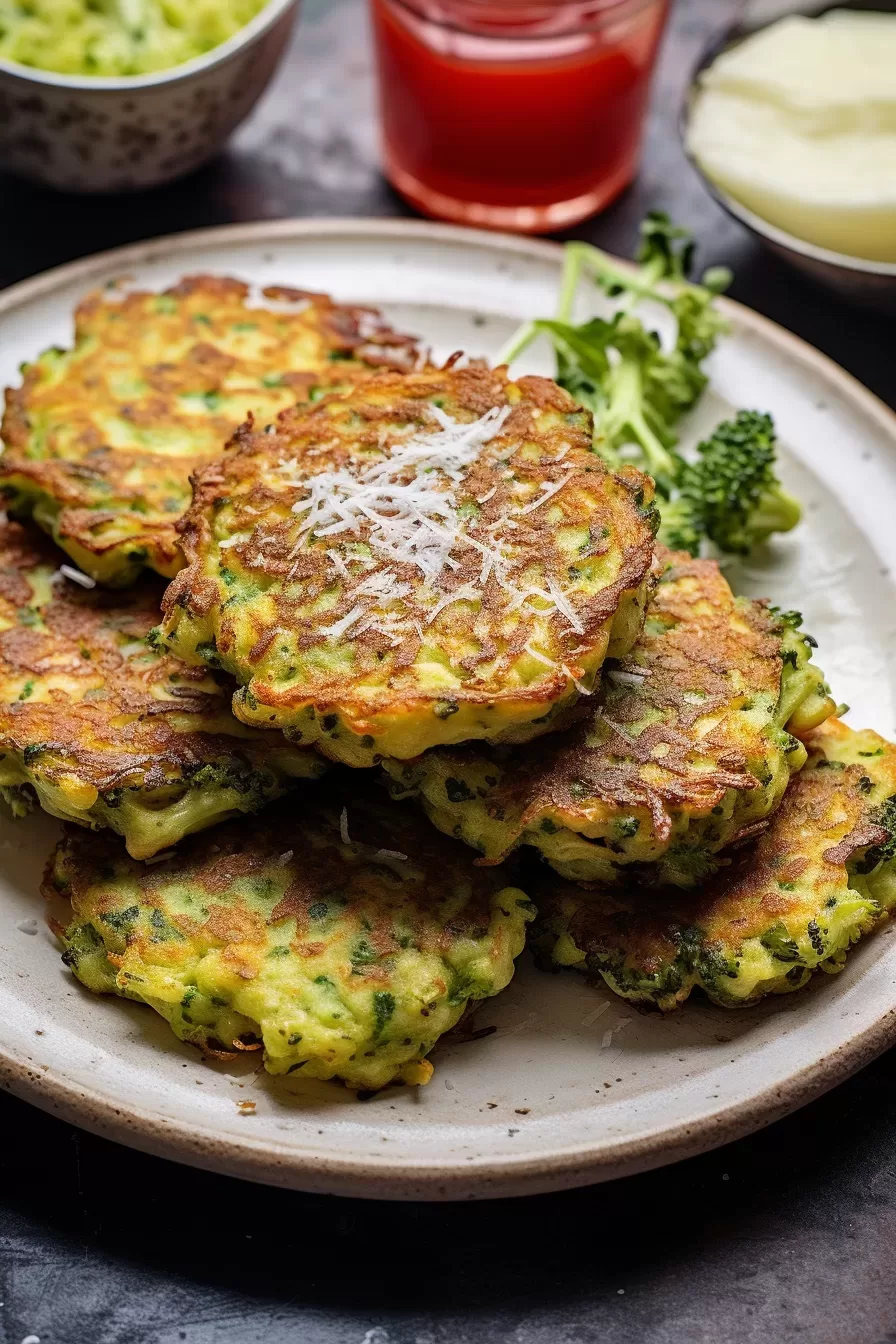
<point x="406" y="503"/>
<point x="406" y="498"/>
<point x="76" y="576"/>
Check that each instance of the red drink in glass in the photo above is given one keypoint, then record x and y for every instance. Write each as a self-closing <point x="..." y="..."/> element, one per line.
<point x="514" y="114"/>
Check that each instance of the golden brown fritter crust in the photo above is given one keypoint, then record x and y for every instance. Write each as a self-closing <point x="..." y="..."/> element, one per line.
<point x="101" y="441"/>
<point x="702" y="650"/>
<point x="340" y="933"/>
<point x="685" y="751"/>
<point x="788" y="902"/>
<point x="545" y="549"/>
<point x="96" y="721"/>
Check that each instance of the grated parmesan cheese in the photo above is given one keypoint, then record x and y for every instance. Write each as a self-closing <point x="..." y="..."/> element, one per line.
<point x="547" y="490"/>
<point x="579" y="685"/>
<point x="465" y="594"/>
<point x="339" y="628"/>
<point x="338" y="564"/>
<point x="406" y="497"/>
<point x="563" y="604"/>
<point x="539" y="657"/>
<point x="404" y="507"/>
<point x="635" y="679"/>
<point x="76" y="576"/>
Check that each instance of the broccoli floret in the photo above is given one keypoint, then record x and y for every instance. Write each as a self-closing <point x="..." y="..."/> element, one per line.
<point x="730" y="494"/>
<point x="669" y="382"/>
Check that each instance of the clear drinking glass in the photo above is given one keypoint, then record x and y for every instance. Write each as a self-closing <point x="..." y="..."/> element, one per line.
<point x="514" y="114"/>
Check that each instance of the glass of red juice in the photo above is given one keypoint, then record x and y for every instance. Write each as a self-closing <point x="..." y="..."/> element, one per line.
<point x="514" y="114"/>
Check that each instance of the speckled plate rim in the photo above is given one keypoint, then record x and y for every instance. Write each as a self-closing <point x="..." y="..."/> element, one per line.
<point x="562" y="1167"/>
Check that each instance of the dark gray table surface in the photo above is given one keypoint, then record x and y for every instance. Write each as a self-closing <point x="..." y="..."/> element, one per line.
<point x="786" y="1236"/>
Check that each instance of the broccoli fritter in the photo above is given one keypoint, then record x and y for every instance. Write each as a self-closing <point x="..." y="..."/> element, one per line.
<point x="343" y="945"/>
<point x="101" y="439"/>
<point x="792" y="902"/>
<point x="105" y="730"/>
<point x="692" y="743"/>
<point x="429" y="559"/>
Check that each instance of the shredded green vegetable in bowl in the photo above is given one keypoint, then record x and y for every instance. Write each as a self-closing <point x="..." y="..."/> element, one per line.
<point x="117" y="37"/>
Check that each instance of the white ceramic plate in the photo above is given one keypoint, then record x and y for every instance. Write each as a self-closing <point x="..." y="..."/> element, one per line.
<point x="574" y="1086"/>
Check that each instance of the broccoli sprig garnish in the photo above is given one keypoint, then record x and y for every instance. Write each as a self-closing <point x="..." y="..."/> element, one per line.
<point x="617" y="367"/>
<point x="638" y="390"/>
<point x="729" y="494"/>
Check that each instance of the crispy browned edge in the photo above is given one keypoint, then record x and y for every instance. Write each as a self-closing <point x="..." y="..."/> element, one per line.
<point x="377" y="346"/>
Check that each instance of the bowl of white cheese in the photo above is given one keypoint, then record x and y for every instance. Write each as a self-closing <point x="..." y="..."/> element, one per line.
<point x="792" y="125"/>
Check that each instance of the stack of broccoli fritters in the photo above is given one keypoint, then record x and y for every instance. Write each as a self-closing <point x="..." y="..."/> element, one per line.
<point x="716" y="827"/>
<point x="428" y="575"/>
<point x="424" y="557"/>
<point x="690" y="744"/>
<point x="108" y="731"/>
<point x="815" y="880"/>
<point x="429" y="559"/>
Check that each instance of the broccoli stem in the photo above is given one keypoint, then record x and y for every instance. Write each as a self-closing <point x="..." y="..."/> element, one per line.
<point x="569" y="284"/>
<point x="521" y="339"/>
<point x="574" y="257"/>
<point x="632" y="284"/>
<point x="625" y="412"/>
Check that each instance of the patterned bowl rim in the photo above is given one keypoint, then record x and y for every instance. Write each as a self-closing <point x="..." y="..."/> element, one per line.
<point x="263" y="21"/>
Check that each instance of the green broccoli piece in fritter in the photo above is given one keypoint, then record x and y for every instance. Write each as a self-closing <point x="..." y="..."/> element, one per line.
<point x="729" y="494"/>
<point x="885" y="816"/>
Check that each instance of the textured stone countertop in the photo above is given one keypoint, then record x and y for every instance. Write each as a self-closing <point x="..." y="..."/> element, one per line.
<point x="785" y="1236"/>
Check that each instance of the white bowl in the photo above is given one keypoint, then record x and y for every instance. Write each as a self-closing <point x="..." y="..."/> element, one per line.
<point x="124" y="133"/>
<point x="870" y="284"/>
